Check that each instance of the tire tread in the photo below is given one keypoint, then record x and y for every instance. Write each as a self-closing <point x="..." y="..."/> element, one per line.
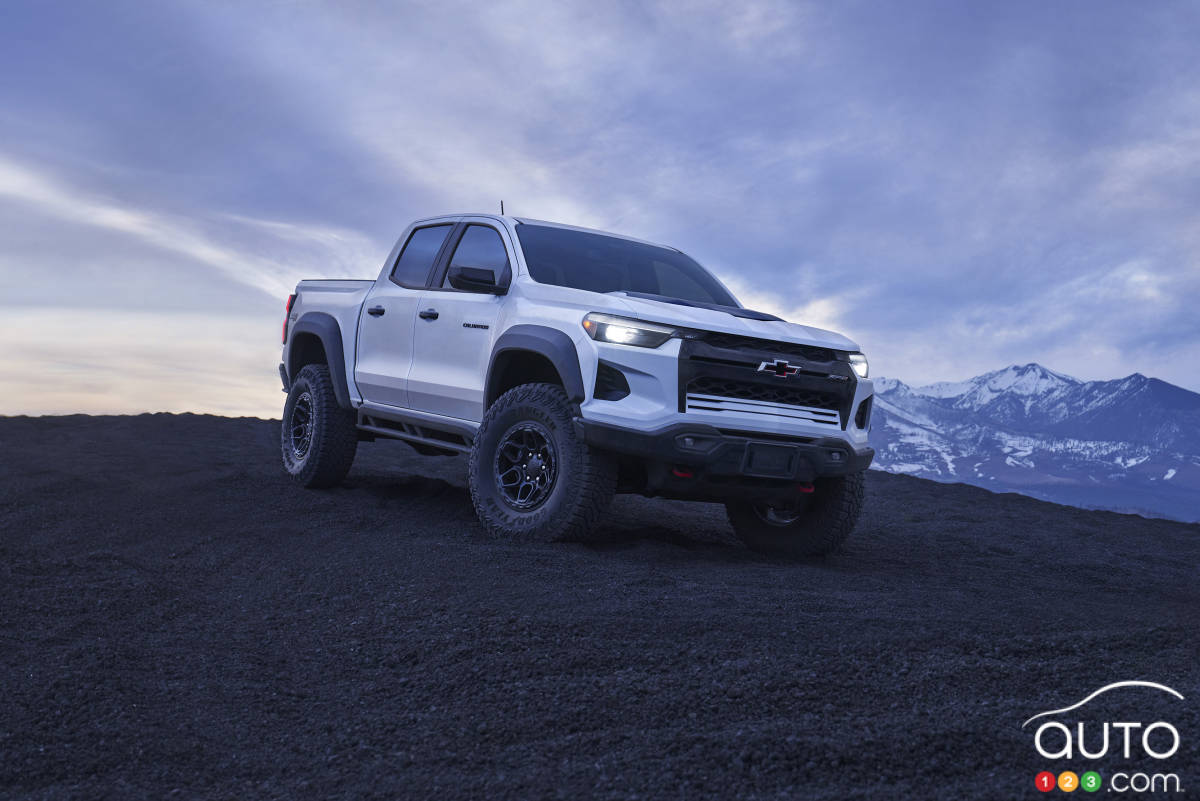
<point x="335" y="435"/>
<point x="594" y="482"/>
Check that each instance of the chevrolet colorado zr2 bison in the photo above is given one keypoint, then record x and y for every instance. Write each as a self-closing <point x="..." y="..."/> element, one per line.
<point x="570" y="364"/>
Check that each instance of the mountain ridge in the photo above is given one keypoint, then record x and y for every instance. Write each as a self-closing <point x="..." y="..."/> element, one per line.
<point x="1126" y="444"/>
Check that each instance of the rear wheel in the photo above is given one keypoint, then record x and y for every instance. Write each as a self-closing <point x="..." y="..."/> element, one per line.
<point x="531" y="477"/>
<point x="318" y="437"/>
<point x="811" y="525"/>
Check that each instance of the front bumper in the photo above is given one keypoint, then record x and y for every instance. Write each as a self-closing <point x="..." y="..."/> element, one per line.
<point x="691" y="460"/>
<point x="663" y="392"/>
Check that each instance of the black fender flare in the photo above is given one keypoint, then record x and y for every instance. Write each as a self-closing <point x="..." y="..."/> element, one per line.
<point x="326" y="329"/>
<point x="551" y="343"/>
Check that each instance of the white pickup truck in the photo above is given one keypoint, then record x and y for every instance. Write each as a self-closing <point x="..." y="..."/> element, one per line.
<point x="571" y="364"/>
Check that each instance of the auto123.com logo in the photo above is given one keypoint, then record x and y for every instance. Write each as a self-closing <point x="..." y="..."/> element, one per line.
<point x="1077" y="743"/>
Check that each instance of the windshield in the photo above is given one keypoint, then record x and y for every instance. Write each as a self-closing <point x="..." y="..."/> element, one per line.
<point x="600" y="263"/>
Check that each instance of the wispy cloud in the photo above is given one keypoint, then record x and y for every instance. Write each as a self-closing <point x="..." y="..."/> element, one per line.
<point x="42" y="193"/>
<point x="108" y="345"/>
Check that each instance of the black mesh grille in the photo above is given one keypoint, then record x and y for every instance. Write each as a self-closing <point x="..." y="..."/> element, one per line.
<point x="744" y="390"/>
<point x="735" y="342"/>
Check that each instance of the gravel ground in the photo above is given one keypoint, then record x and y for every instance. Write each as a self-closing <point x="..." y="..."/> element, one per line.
<point x="177" y="620"/>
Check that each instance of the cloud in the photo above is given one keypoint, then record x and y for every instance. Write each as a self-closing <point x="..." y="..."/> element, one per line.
<point x="151" y="311"/>
<point x="955" y="188"/>
<point x="39" y="192"/>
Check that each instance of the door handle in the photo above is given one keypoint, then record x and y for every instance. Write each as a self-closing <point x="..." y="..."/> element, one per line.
<point x="428" y="314"/>
<point x="376" y="311"/>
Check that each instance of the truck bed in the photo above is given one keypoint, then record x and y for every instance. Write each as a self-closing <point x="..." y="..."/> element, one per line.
<point x="341" y="299"/>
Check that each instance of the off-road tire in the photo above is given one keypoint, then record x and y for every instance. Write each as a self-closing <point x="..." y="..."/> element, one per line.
<point x="825" y="520"/>
<point x="585" y="478"/>
<point x="333" y="437"/>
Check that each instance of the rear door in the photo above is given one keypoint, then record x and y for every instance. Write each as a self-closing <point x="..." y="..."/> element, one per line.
<point x="453" y="336"/>
<point x="385" y="325"/>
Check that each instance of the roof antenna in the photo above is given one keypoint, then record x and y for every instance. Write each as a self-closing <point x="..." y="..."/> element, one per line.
<point x="501" y="208"/>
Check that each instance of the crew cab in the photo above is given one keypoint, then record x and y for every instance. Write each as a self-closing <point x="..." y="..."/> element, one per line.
<point x="569" y="364"/>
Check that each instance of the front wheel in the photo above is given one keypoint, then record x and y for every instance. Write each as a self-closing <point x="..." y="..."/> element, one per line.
<point x="531" y="476"/>
<point x="811" y="525"/>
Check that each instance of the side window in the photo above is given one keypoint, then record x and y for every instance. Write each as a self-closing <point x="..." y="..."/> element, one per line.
<point x="416" y="260"/>
<point x="480" y="246"/>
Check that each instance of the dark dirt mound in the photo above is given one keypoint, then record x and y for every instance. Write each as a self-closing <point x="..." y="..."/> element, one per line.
<point x="175" y="615"/>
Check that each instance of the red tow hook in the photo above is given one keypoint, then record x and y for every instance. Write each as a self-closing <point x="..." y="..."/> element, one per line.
<point x="805" y="487"/>
<point x="682" y="472"/>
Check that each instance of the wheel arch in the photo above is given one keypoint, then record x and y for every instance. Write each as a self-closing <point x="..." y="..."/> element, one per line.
<point x="531" y="354"/>
<point x="316" y="338"/>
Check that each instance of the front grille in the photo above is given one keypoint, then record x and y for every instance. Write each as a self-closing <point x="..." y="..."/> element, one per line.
<point x="740" y="343"/>
<point x="720" y="373"/>
<point x="744" y="390"/>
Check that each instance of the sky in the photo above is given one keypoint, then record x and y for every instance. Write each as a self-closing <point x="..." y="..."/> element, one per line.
<point x="956" y="186"/>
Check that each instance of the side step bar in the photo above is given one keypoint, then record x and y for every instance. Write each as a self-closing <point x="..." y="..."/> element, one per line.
<point x="422" y="428"/>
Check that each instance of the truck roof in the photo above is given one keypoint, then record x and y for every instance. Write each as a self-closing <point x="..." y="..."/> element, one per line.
<point x="515" y="221"/>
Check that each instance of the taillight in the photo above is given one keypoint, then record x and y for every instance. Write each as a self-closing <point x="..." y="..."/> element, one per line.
<point x="287" y="316"/>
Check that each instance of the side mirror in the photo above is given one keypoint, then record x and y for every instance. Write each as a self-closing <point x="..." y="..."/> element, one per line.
<point x="475" y="279"/>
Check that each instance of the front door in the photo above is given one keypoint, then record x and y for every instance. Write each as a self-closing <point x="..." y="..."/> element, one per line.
<point x="385" y="325"/>
<point x="454" y="330"/>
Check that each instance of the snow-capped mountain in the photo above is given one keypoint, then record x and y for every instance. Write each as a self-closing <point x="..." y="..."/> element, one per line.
<point x="1131" y="444"/>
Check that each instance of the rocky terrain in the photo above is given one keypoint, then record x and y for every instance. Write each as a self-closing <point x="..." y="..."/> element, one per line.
<point x="178" y="621"/>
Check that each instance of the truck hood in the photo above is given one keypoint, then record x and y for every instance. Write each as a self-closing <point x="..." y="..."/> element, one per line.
<point x="715" y="320"/>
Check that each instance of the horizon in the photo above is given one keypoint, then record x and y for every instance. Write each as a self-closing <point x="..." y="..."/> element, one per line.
<point x="952" y="187"/>
<point x="274" y="416"/>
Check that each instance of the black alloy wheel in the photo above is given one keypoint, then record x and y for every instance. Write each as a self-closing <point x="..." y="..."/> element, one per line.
<point x="526" y="465"/>
<point x="300" y="425"/>
<point x="317" y="437"/>
<point x="532" y="475"/>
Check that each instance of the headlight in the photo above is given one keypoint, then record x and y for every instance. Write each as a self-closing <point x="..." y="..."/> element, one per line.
<point x="625" y="331"/>
<point x="858" y="363"/>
